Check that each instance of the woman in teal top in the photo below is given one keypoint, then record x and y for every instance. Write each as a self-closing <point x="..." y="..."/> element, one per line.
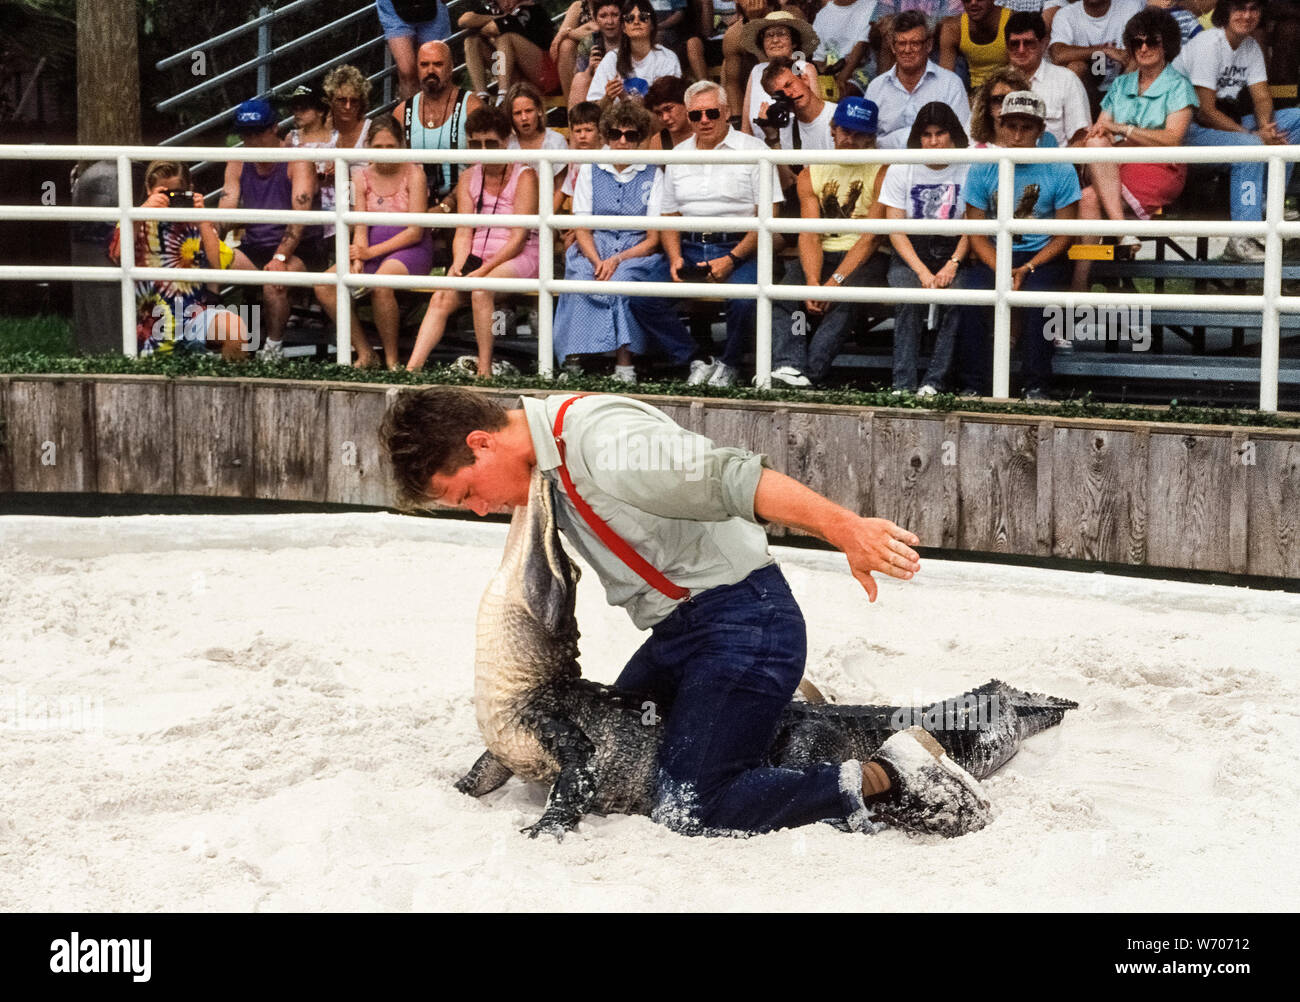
<point x="1152" y="106"/>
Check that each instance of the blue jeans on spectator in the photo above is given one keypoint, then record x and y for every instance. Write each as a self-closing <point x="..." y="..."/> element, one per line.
<point x="726" y="663"/>
<point x="423" y="31"/>
<point x="813" y="352"/>
<point x="910" y="322"/>
<point x="1035" y="351"/>
<point x="740" y="312"/>
<point x="1249" y="186"/>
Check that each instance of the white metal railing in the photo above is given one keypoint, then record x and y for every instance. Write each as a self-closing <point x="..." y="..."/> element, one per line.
<point x="1273" y="228"/>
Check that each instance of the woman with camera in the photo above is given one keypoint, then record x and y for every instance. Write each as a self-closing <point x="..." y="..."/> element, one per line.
<point x="485" y="251"/>
<point x="172" y="314"/>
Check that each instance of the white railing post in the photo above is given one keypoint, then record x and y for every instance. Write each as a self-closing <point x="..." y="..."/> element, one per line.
<point x="126" y="245"/>
<point x="1002" y="280"/>
<point x="1270" y="324"/>
<point x="263" y="54"/>
<point x="763" y="318"/>
<point x="342" y="266"/>
<point x="545" y="268"/>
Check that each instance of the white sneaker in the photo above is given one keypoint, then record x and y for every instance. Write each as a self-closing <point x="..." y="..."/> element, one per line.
<point x="927" y="391"/>
<point x="467" y="364"/>
<point x="723" y="375"/>
<point x="701" y="372"/>
<point x="790" y="376"/>
<point x="625" y="373"/>
<point x="1247" y="249"/>
<point x="271" y="350"/>
<point x="503" y="368"/>
<point x="572" y="366"/>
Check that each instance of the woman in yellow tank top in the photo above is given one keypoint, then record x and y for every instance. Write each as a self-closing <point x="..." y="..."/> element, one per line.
<point x="983" y="38"/>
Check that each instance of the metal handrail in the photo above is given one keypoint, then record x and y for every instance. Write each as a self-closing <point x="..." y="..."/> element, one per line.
<point x="1270" y="304"/>
<point x="267" y="16"/>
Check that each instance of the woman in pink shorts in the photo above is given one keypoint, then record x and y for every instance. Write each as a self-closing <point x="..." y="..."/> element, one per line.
<point x="485" y="251"/>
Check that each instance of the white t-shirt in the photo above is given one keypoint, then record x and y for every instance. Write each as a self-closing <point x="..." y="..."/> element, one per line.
<point x="715" y="189"/>
<point x="923" y="193"/>
<point x="551" y="140"/>
<point x="841" y="28"/>
<point x="1209" y="61"/>
<point x="1073" y="26"/>
<point x="659" y="62"/>
<point x="816" y="135"/>
<point x="1062" y="91"/>
<point x="582" y="187"/>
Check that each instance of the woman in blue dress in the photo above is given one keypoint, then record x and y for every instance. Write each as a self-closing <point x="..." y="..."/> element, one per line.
<point x="599" y="324"/>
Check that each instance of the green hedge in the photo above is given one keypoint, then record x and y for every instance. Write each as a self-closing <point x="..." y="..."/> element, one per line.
<point x="30" y="361"/>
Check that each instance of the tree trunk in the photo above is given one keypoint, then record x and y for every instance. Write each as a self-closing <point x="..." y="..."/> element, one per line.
<point x="108" y="73"/>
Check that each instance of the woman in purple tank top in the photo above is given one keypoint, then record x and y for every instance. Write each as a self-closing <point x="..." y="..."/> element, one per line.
<point x="384" y="250"/>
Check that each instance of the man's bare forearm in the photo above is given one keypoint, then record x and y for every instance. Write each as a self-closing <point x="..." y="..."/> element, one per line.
<point x="783" y="499"/>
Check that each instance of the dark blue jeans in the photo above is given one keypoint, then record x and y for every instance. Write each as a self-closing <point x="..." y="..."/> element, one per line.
<point x="726" y="664"/>
<point x="740" y="312"/>
<point x="1035" y="350"/>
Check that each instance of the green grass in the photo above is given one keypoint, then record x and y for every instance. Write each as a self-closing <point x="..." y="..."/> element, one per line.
<point x="51" y="336"/>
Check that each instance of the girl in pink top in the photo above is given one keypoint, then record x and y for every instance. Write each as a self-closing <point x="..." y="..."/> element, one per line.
<point x="485" y="251"/>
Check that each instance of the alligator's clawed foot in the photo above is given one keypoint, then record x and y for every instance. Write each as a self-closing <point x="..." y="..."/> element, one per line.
<point x="548" y="826"/>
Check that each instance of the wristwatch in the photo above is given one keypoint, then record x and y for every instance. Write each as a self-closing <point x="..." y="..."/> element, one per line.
<point x="735" y="261"/>
<point x="282" y="258"/>
<point x="837" y="278"/>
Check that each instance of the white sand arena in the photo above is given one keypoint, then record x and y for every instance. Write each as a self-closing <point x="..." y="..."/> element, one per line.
<point x="268" y="713"/>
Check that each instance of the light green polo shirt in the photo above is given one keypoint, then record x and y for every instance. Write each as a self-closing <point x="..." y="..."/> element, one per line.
<point x="1170" y="91"/>
<point x="684" y="504"/>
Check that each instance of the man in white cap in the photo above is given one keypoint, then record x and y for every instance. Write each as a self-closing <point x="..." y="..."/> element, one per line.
<point x="1042" y="191"/>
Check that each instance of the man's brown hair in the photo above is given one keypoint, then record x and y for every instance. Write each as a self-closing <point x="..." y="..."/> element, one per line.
<point x="425" y="431"/>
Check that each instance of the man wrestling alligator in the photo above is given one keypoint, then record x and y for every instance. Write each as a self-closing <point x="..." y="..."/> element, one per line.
<point x="673" y="526"/>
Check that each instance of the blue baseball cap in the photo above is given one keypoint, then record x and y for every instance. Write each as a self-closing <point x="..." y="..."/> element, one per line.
<point x="856" y="114"/>
<point x="254" y="116"/>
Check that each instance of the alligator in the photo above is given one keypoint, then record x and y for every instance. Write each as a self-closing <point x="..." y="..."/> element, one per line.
<point x="597" y="746"/>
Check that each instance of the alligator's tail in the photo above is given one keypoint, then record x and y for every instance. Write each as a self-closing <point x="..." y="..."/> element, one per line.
<point x="1034" y="711"/>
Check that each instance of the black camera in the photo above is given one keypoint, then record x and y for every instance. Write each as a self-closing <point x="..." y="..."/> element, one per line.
<point x="180" y="199"/>
<point x="779" y="113"/>
<point x="695" y="272"/>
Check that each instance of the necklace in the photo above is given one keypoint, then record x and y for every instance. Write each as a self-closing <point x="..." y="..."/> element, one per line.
<point x="444" y="102"/>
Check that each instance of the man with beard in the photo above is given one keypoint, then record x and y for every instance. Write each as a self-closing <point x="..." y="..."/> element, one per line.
<point x="434" y="119"/>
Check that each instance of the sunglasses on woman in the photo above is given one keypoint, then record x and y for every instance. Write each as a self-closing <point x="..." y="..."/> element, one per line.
<point x="636" y="15"/>
<point x="627" y="135"/>
<point x="712" y="114"/>
<point x="1142" y="42"/>
<point x="484" y="144"/>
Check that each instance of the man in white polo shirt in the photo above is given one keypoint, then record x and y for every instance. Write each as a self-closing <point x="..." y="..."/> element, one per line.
<point x="1068" y="113"/>
<point x="913" y="82"/>
<point x="716" y="190"/>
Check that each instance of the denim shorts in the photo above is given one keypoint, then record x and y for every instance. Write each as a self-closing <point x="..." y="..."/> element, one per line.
<point x="424" y="31"/>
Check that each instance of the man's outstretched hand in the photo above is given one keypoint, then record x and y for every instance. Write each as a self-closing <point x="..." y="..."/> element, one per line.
<point x="876" y="544"/>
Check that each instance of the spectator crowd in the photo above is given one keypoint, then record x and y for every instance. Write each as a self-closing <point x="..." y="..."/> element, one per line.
<point x="843" y="75"/>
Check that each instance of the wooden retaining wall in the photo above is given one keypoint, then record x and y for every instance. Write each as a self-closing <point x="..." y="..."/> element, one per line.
<point x="1176" y="496"/>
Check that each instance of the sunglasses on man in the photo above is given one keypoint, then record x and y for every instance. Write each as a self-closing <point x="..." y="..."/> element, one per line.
<point x="712" y="114"/>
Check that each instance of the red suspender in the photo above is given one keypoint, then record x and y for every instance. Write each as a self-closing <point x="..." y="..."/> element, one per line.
<point x="620" y="547"/>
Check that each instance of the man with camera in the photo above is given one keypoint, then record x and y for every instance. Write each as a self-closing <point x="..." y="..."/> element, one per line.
<point x="272" y="247"/>
<point x="792" y="98"/>
<point x="716" y="190"/>
<point x="520" y="31"/>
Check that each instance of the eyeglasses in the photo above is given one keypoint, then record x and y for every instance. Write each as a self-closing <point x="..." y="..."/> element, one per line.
<point x="1142" y="42"/>
<point x="627" y="135"/>
<point x="636" y="15"/>
<point x="484" y="144"/>
<point x="1022" y="43"/>
<point x="712" y="114"/>
<point x="908" y="46"/>
<point x="347" y="100"/>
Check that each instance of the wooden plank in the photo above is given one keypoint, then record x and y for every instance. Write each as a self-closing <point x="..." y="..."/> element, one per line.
<point x="48" y="433"/>
<point x="288" y="426"/>
<point x="1239" y="508"/>
<point x="950" y="463"/>
<point x="1274" y="509"/>
<point x="213" y="439"/>
<point x="134" y="442"/>
<point x="998" y="476"/>
<point x="1045" y="507"/>
<point x="358" y="471"/>
<point x="1139" y="498"/>
<point x="1191" y="487"/>
<point x="907" y="477"/>
<point x="6" y="464"/>
<point x="1099" y="491"/>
